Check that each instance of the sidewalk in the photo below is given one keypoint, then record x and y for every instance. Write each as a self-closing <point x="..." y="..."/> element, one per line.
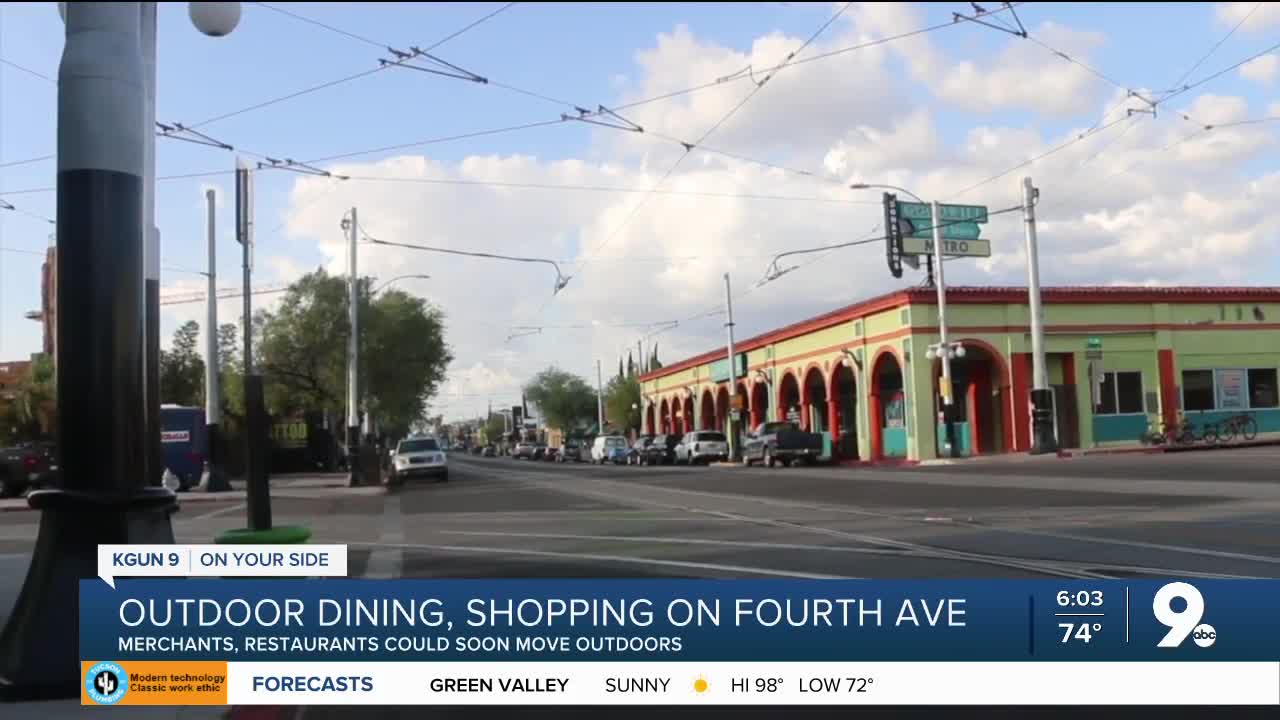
<point x="299" y="485"/>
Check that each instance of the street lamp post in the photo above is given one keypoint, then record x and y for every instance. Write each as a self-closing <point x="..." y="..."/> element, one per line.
<point x="384" y="285"/>
<point x="106" y="496"/>
<point x="914" y="262"/>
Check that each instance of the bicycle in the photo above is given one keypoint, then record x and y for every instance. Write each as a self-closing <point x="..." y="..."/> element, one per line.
<point x="1244" y="424"/>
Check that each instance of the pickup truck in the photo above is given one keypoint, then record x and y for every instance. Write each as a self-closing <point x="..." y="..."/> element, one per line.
<point x="26" y="466"/>
<point x="781" y="442"/>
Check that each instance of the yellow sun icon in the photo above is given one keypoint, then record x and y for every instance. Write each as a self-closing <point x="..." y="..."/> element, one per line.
<point x="700" y="685"/>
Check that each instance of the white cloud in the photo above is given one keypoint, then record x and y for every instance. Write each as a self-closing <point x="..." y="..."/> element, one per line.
<point x="1261" y="69"/>
<point x="1261" y="16"/>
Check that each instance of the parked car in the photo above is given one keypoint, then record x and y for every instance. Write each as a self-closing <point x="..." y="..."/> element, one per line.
<point x="781" y="442"/>
<point x="523" y="451"/>
<point x="570" y="451"/>
<point x="419" y="457"/>
<point x="702" y="446"/>
<point x="551" y="453"/>
<point x="539" y="450"/>
<point x="31" y="465"/>
<point x="637" y="450"/>
<point x="489" y="451"/>
<point x="662" y="451"/>
<point x="609" y="448"/>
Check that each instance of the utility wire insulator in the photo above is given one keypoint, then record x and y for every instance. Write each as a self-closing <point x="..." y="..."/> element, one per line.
<point x="603" y="117"/>
<point x="178" y="131"/>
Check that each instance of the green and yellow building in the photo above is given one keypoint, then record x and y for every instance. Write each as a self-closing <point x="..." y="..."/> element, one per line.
<point x="1120" y="360"/>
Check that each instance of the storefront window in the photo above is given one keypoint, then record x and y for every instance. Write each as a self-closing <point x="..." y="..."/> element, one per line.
<point x="1197" y="390"/>
<point x="1262" y="388"/>
<point x="1121" y="393"/>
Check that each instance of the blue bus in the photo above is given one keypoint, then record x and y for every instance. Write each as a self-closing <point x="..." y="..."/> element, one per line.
<point x="185" y="439"/>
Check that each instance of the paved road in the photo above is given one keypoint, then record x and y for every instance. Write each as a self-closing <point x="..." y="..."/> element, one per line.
<point x="1211" y="514"/>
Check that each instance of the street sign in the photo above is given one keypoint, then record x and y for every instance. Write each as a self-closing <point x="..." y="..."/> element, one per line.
<point x="1094" y="343"/>
<point x="953" y="230"/>
<point x="1092" y="354"/>
<point x="964" y="248"/>
<point x="947" y="213"/>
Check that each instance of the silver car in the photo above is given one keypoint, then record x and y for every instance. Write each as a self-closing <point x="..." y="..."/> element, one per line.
<point x="419" y="457"/>
<point x="703" y="446"/>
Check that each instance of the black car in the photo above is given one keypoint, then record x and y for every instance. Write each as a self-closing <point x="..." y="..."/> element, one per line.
<point x="662" y="451"/>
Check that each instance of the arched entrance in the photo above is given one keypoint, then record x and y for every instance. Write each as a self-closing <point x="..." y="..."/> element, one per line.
<point x="688" y="424"/>
<point x="759" y="403"/>
<point x="981" y="409"/>
<point x="649" y="428"/>
<point x="677" y="416"/>
<point x="664" y="418"/>
<point x="813" y="404"/>
<point x="789" y="399"/>
<point x="722" y="407"/>
<point x="888" y="407"/>
<point x="708" y="411"/>
<point x="843" y="410"/>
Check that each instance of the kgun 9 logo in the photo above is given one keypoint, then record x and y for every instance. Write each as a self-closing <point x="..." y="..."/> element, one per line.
<point x="1184" y="622"/>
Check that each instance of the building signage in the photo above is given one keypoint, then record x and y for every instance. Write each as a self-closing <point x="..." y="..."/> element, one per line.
<point x="1231" y="389"/>
<point x="175" y="436"/>
<point x="720" y="368"/>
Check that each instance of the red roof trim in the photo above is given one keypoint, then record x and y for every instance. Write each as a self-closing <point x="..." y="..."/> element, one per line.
<point x="1101" y="294"/>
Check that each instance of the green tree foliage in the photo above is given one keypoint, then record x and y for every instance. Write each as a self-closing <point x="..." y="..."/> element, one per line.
<point x="654" y="363"/>
<point x="182" y="368"/>
<point x="31" y="415"/>
<point x="494" y="427"/>
<point x="565" y="399"/>
<point x="619" y="396"/>
<point x="302" y="351"/>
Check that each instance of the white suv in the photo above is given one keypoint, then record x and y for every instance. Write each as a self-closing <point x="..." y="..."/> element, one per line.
<point x="703" y="446"/>
<point x="419" y="457"/>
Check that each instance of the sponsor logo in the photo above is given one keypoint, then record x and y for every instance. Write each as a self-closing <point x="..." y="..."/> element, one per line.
<point x="106" y="683"/>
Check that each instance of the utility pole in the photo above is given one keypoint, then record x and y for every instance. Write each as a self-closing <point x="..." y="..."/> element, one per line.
<point x="212" y="380"/>
<point x="255" y="410"/>
<point x="731" y="425"/>
<point x="1042" y="439"/>
<point x="353" y="350"/>
<point x="153" y="467"/>
<point x="944" y="347"/>
<point x="599" y="400"/>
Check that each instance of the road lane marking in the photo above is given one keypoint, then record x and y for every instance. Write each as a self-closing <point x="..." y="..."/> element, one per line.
<point x="678" y="541"/>
<point x="216" y="513"/>
<point x="595" y="557"/>
<point x="387" y="560"/>
<point x="854" y="510"/>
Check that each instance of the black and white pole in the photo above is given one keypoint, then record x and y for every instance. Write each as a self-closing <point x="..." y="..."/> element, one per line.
<point x="599" y="399"/>
<point x="731" y="424"/>
<point x="944" y="349"/>
<point x="353" y="348"/>
<point x="154" y="464"/>
<point x="258" y="495"/>
<point x="1042" y="434"/>
<point x="105" y="495"/>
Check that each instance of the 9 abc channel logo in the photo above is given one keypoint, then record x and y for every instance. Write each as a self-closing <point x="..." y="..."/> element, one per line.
<point x="1182" y="623"/>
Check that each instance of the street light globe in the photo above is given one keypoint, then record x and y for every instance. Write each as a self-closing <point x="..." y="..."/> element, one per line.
<point x="929" y="354"/>
<point x="960" y="351"/>
<point x="214" y="18"/>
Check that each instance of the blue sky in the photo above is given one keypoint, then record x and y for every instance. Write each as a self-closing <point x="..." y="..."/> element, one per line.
<point x="902" y="110"/>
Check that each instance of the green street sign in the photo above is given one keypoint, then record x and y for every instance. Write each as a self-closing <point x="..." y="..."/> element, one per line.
<point x="964" y="248"/>
<point x="1094" y="343"/>
<point x="947" y="213"/>
<point x="950" y="230"/>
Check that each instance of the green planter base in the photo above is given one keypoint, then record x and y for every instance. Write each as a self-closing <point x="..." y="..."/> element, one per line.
<point x="281" y="535"/>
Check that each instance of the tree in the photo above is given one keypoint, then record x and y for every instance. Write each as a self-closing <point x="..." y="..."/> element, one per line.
<point x="302" y="351"/>
<point x="182" y="368"/>
<point x="620" y="373"/>
<point x="622" y="402"/>
<point x="32" y="414"/>
<point x="654" y="363"/>
<point x="494" y="427"/>
<point x="631" y="364"/>
<point x="564" y="398"/>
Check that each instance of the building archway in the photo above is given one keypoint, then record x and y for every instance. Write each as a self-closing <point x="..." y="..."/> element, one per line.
<point x="982" y="411"/>
<point x="664" y="418"/>
<point x="648" y="420"/>
<point x="789" y="398"/>
<point x="759" y="403"/>
<point x="688" y="424"/>
<point x="888" y="405"/>
<point x="843" y="410"/>
<point x="722" y="408"/>
<point x="677" y="416"/>
<point x="708" y="411"/>
<point x="813" y="403"/>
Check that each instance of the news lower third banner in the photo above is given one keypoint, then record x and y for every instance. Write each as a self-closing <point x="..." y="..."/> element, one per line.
<point x="672" y="642"/>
